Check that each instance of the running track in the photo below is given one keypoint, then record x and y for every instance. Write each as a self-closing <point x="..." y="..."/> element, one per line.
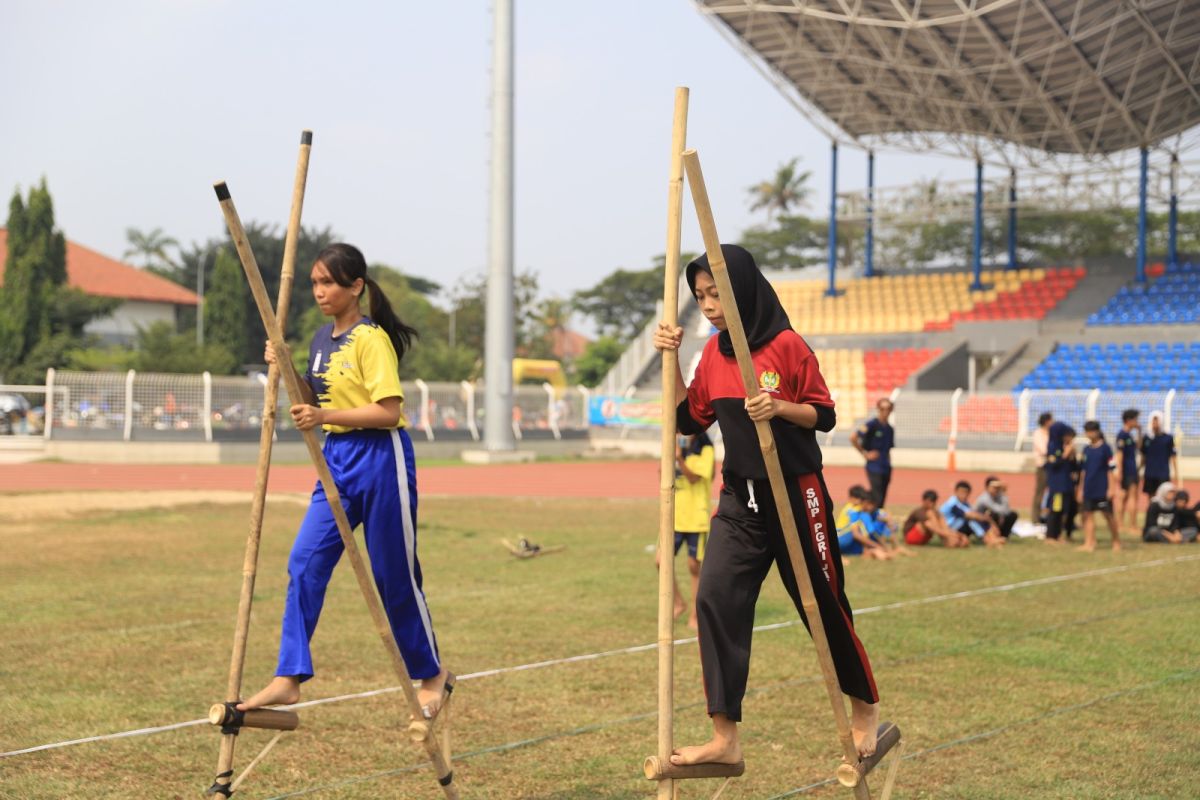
<point x="613" y="479"/>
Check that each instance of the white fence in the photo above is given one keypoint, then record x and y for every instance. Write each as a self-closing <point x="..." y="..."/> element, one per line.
<point x="147" y="406"/>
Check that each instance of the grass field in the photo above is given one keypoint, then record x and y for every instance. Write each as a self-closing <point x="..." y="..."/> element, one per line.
<point x="117" y="620"/>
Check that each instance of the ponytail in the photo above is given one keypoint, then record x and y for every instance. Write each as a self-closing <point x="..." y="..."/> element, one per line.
<point x="346" y="264"/>
<point x="381" y="313"/>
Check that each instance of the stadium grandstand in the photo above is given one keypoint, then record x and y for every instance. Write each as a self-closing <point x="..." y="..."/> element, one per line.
<point x="1069" y="106"/>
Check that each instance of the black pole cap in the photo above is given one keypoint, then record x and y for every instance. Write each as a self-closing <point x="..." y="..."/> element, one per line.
<point x="306" y="137"/>
<point x="222" y="191"/>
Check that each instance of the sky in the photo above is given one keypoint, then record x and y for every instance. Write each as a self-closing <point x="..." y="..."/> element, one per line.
<point x="132" y="109"/>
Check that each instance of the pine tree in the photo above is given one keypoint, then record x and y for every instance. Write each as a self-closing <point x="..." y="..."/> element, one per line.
<point x="35" y="269"/>
<point x="225" y="305"/>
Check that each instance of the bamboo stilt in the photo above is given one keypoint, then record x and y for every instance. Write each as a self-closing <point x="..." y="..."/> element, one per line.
<point x="666" y="500"/>
<point x="433" y="749"/>
<point x="233" y="688"/>
<point x="887" y="737"/>
<point x="766" y="441"/>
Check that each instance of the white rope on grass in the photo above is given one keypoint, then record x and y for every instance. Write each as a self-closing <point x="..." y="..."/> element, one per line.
<point x="612" y="723"/>
<point x="1008" y="587"/>
<point x="988" y="734"/>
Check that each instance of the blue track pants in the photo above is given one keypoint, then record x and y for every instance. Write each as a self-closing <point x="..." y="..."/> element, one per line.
<point x="377" y="479"/>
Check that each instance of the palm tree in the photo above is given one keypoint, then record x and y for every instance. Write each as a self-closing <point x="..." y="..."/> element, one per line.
<point x="151" y="248"/>
<point x="786" y="189"/>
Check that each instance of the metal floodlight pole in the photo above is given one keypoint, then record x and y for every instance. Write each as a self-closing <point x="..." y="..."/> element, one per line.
<point x="870" y="249"/>
<point x="977" y="243"/>
<point x="1012" y="218"/>
<point x="1173" y="214"/>
<point x="1141" y="234"/>
<point x="498" y="338"/>
<point x="200" y="304"/>
<point x="832" y="291"/>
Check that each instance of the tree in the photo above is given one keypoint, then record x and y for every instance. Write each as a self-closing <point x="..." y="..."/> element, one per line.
<point x="623" y="303"/>
<point x="151" y="248"/>
<point x="794" y="241"/>
<point x="547" y="326"/>
<point x="469" y="306"/>
<point x="225" y="312"/>
<point x="597" y="360"/>
<point x="161" y="349"/>
<point x="41" y="318"/>
<point x="785" y="189"/>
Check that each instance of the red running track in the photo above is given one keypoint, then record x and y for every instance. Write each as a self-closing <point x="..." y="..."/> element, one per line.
<point x="614" y="479"/>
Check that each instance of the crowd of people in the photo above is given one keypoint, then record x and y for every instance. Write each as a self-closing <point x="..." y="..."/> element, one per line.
<point x="1075" y="484"/>
<point x="1098" y="479"/>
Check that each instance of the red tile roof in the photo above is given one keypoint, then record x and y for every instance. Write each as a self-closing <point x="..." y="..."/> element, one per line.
<point x="101" y="276"/>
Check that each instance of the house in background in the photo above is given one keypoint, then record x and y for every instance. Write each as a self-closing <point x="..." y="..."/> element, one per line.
<point x="146" y="297"/>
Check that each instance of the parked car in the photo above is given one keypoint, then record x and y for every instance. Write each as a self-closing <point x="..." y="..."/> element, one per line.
<point x="14" y="410"/>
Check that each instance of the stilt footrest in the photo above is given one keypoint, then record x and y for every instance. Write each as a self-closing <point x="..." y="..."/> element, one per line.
<point x="657" y="770"/>
<point x="849" y="775"/>
<point x="231" y="719"/>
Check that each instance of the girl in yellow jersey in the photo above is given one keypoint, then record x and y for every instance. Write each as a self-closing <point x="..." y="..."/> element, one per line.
<point x="352" y="384"/>
<point x="694" y="464"/>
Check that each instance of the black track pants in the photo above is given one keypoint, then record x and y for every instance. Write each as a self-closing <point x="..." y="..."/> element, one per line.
<point x="879" y="485"/>
<point x="742" y="545"/>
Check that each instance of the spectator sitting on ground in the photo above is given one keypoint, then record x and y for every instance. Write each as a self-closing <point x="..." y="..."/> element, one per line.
<point x="854" y="539"/>
<point x="1162" y="518"/>
<point x="966" y="520"/>
<point x="854" y="498"/>
<point x="926" y="521"/>
<point x="874" y="521"/>
<point x="993" y="501"/>
<point x="1186" y="517"/>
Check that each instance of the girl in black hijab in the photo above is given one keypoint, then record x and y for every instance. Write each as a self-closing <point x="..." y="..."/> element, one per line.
<point x="746" y="537"/>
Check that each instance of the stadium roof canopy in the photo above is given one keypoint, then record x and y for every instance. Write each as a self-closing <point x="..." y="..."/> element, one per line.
<point x="1031" y="80"/>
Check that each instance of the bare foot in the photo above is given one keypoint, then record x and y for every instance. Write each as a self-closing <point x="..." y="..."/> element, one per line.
<point x="1087" y="548"/>
<point x="680" y="607"/>
<point x="1116" y="546"/>
<point x="693" y="623"/>
<point x="864" y="724"/>
<point x="1055" y="542"/>
<point x="281" y="691"/>
<point x="432" y="693"/>
<point x="715" y="751"/>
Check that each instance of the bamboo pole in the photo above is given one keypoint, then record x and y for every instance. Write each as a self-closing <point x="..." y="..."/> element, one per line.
<point x="766" y="441"/>
<point x="419" y="729"/>
<point x="666" y="497"/>
<point x="237" y="660"/>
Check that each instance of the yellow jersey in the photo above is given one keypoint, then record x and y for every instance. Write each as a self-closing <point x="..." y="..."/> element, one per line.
<point x="353" y="369"/>
<point x="693" y="501"/>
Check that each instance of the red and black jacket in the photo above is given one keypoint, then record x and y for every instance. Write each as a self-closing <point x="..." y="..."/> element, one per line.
<point x="787" y="368"/>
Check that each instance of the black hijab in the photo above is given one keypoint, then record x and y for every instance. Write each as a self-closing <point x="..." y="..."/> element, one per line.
<point x="762" y="314"/>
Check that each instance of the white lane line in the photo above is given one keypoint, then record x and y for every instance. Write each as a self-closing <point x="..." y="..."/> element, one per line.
<point x="941" y="598"/>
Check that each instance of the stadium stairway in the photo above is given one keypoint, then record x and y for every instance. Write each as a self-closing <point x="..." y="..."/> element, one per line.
<point x="1090" y="294"/>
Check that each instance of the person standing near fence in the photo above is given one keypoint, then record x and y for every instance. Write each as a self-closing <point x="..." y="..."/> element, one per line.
<point x="1159" y="461"/>
<point x="875" y="439"/>
<point x="1127" y="469"/>
<point x="1096" y="489"/>
<point x="352" y="385"/>
<point x="1061" y="470"/>
<point x="1041" y="438"/>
